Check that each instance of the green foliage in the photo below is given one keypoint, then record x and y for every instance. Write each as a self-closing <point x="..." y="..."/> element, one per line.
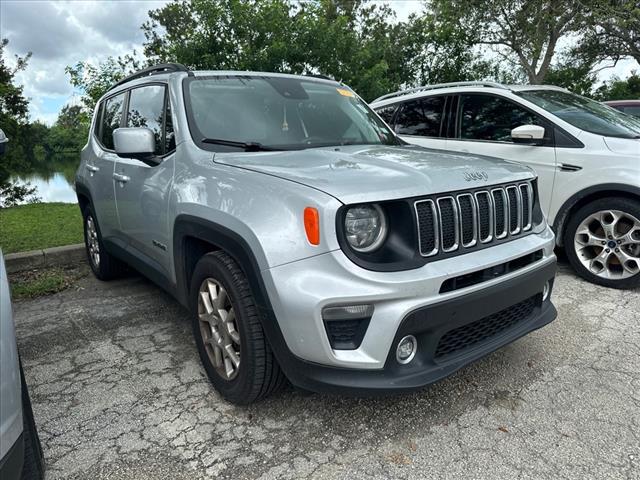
<point x="613" y="32"/>
<point x="577" y="78"/>
<point x="356" y="42"/>
<point x="35" y="283"/>
<point x="617" y="89"/>
<point x="524" y="33"/>
<point x="95" y="80"/>
<point x="12" y="102"/>
<point x="39" y="225"/>
<point x="69" y="133"/>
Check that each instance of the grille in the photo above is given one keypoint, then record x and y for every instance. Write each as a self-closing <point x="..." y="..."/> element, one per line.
<point x="448" y="220"/>
<point x="464" y="337"/>
<point x="468" y="220"/>
<point x="452" y="223"/>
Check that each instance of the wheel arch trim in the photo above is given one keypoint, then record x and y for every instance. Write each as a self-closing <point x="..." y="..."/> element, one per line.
<point x="237" y="247"/>
<point x="586" y="195"/>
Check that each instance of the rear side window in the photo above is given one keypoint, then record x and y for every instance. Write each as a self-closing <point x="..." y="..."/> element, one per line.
<point x="386" y="113"/>
<point x="421" y="117"/>
<point x="146" y="109"/>
<point x="487" y="117"/>
<point x="111" y="118"/>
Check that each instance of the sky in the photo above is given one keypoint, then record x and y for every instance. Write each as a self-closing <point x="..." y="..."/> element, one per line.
<point x="61" y="33"/>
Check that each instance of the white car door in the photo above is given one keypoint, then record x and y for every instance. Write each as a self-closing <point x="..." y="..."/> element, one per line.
<point x="484" y="124"/>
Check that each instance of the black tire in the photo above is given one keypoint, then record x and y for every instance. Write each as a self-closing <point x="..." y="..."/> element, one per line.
<point x="258" y="374"/>
<point x="108" y="267"/>
<point x="626" y="205"/>
<point x="33" y="466"/>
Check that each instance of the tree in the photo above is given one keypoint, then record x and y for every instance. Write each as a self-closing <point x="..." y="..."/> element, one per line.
<point x="13" y="118"/>
<point x="574" y="76"/>
<point x="441" y="52"/>
<point x="95" y="80"/>
<point x="617" y="89"/>
<point x="613" y="31"/>
<point x="357" y="42"/>
<point x="69" y="133"/>
<point x="524" y="33"/>
<point x="12" y="101"/>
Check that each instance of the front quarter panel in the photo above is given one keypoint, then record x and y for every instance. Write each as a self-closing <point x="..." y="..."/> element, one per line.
<point x="266" y="211"/>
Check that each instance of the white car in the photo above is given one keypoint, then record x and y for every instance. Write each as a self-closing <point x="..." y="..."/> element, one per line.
<point x="586" y="154"/>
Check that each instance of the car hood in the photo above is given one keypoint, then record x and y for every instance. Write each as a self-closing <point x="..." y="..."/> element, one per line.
<point x="355" y="174"/>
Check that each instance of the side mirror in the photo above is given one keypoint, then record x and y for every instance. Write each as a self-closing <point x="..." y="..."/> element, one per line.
<point x="529" y="134"/>
<point x="3" y="142"/>
<point x="138" y="143"/>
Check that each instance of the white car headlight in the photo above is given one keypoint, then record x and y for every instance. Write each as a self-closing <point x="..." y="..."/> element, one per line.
<point x="365" y="227"/>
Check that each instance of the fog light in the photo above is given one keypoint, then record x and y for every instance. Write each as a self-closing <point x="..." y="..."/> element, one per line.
<point x="546" y="291"/>
<point x="347" y="312"/>
<point x="406" y="349"/>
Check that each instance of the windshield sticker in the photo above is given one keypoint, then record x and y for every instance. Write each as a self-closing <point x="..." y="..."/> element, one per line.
<point x="345" y="93"/>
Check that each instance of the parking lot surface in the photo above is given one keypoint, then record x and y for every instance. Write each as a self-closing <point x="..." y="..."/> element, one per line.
<point x="118" y="392"/>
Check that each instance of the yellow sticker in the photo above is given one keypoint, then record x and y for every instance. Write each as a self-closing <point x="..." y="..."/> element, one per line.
<point x="344" y="92"/>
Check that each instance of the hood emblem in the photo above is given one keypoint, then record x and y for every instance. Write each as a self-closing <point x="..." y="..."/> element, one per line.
<point x="476" y="176"/>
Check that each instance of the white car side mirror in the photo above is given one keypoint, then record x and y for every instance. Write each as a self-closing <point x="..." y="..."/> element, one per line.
<point x="528" y="134"/>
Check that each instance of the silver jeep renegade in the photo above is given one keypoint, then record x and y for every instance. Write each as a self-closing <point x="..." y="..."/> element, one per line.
<point x="308" y="240"/>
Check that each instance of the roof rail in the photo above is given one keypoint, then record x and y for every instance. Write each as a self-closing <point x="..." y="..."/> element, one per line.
<point x="320" y="75"/>
<point x="153" y="70"/>
<point x="440" y="85"/>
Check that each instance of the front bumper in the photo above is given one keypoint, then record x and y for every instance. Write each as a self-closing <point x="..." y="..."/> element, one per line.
<point x="299" y="291"/>
<point x="429" y="325"/>
<point x="408" y="302"/>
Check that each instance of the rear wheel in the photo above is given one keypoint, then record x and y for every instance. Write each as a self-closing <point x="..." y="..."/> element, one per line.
<point x="602" y="241"/>
<point x="226" y="325"/>
<point x="104" y="265"/>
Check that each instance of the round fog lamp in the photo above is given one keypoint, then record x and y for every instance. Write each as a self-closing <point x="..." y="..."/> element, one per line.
<point x="406" y="350"/>
<point x="546" y="291"/>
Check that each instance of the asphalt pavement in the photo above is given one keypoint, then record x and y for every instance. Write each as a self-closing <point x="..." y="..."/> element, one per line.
<point x="118" y="393"/>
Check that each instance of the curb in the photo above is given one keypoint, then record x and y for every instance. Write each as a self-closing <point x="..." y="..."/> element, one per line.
<point x="49" y="257"/>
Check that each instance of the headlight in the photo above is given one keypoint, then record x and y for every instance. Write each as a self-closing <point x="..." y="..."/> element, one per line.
<point x="365" y="227"/>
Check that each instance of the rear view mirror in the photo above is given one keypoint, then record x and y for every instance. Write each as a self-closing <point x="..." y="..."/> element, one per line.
<point x="138" y="143"/>
<point x="3" y="142"/>
<point x="531" y="134"/>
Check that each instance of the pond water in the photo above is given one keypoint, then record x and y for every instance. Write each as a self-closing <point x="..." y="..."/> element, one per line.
<point x="53" y="177"/>
<point x="54" y="187"/>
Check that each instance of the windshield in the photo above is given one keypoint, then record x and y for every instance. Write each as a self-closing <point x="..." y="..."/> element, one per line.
<point x="279" y="113"/>
<point x="584" y="113"/>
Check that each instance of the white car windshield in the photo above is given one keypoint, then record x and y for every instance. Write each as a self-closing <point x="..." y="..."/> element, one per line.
<point x="584" y="113"/>
<point x="279" y="113"/>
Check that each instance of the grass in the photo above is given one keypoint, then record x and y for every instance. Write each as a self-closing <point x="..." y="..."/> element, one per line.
<point x="39" y="225"/>
<point x="35" y="283"/>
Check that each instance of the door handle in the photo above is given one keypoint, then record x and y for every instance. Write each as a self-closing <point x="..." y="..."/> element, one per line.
<point x="121" y="178"/>
<point x="92" y="168"/>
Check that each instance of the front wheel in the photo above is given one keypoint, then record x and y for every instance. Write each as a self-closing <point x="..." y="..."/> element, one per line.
<point x="602" y="241"/>
<point x="228" y="332"/>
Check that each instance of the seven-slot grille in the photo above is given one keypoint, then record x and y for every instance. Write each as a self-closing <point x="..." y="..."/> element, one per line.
<point x="454" y="222"/>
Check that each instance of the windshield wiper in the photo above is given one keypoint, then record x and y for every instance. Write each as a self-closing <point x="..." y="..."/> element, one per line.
<point x="246" y="146"/>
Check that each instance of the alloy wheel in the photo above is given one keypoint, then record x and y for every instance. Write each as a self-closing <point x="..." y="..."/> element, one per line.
<point x="607" y="244"/>
<point x="92" y="242"/>
<point x="219" y="328"/>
